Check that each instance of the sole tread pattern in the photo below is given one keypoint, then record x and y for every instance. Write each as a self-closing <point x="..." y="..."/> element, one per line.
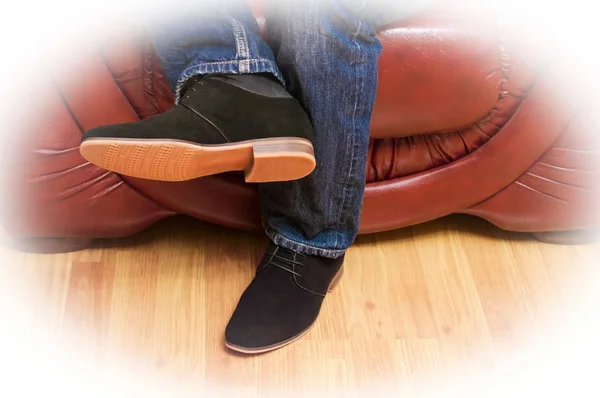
<point x="169" y="160"/>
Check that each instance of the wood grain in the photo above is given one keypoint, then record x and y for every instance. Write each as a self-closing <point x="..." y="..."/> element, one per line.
<point x="414" y="307"/>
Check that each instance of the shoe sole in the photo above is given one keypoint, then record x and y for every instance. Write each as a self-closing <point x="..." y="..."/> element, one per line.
<point x="263" y="160"/>
<point x="260" y="350"/>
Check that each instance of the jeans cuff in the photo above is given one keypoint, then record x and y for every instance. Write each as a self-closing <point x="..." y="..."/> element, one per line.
<point x="257" y="65"/>
<point x="303" y="248"/>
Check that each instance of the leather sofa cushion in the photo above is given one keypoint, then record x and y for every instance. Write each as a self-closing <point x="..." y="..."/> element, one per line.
<point x="440" y="71"/>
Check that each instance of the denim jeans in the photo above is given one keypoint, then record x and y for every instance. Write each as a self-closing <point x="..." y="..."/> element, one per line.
<point x="325" y="52"/>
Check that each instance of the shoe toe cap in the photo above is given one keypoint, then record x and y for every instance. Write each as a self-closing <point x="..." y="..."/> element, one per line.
<point x="264" y="329"/>
<point x="256" y="335"/>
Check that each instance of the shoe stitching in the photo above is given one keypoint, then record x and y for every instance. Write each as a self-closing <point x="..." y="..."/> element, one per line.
<point x="302" y="287"/>
<point x="206" y="119"/>
<point x="307" y="290"/>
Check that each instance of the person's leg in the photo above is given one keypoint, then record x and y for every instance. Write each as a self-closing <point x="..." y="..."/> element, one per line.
<point x="209" y="38"/>
<point x="232" y="112"/>
<point x="328" y="53"/>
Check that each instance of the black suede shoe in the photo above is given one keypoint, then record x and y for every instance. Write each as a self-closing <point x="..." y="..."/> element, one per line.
<point x="223" y="123"/>
<point x="282" y="302"/>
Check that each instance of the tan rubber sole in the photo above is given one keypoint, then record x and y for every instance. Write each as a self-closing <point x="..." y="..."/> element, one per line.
<point x="260" y="350"/>
<point x="264" y="160"/>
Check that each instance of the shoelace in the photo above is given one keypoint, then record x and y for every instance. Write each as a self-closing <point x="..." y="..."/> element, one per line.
<point x="285" y="264"/>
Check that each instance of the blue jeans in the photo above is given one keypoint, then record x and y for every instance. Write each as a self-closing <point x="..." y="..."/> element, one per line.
<point x="325" y="52"/>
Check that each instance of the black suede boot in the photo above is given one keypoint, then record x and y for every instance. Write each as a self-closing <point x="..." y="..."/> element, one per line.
<point x="223" y="123"/>
<point x="282" y="302"/>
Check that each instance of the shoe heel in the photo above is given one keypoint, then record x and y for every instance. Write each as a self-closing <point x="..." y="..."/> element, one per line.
<point x="280" y="160"/>
<point x="336" y="280"/>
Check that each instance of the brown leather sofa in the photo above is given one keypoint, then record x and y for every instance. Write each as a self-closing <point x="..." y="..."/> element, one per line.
<point x="468" y="119"/>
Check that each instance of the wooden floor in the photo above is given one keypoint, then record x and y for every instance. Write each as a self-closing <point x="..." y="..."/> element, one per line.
<point x="417" y="309"/>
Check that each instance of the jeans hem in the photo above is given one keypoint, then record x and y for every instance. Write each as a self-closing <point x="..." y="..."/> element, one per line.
<point x="257" y="65"/>
<point x="297" y="247"/>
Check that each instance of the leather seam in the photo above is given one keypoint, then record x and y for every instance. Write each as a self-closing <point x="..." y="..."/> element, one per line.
<point x="516" y="181"/>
